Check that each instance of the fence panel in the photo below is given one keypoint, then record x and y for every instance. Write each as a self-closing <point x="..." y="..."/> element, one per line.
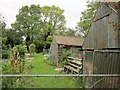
<point x="103" y="62"/>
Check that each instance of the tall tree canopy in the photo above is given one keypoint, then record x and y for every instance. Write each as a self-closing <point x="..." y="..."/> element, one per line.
<point x="86" y="19"/>
<point x="37" y="23"/>
<point x="9" y="37"/>
<point x="71" y="32"/>
<point x="2" y="28"/>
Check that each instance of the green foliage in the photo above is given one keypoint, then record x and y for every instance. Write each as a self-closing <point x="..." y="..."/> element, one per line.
<point x="66" y="54"/>
<point x="2" y="23"/>
<point x="11" y="82"/>
<point x="86" y="19"/>
<point x="15" y="65"/>
<point x="70" y="32"/>
<point x="39" y="46"/>
<point x="21" y="50"/>
<point x="5" y="54"/>
<point x="10" y="37"/>
<point x="13" y="37"/>
<point x="41" y="67"/>
<point x="17" y="58"/>
<point x="48" y="42"/>
<point x="49" y="39"/>
<point x="3" y="37"/>
<point x="32" y="49"/>
<point x="38" y="23"/>
<point x="51" y="63"/>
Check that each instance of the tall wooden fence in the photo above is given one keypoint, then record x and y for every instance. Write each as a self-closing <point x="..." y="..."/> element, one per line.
<point x="102" y="62"/>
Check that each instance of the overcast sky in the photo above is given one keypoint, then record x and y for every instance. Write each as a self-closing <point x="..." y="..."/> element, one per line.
<point x="73" y="9"/>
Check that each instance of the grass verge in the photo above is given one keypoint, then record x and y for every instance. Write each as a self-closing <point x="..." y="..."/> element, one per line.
<point x="39" y="66"/>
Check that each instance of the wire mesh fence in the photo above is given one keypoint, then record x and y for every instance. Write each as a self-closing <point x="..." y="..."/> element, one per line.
<point x="62" y="81"/>
<point x="43" y="82"/>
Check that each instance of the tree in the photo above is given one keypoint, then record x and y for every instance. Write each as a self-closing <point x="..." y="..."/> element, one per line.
<point x="48" y="41"/>
<point x="86" y="19"/>
<point x="53" y="19"/>
<point x="13" y="37"/>
<point x="2" y="30"/>
<point x="37" y="23"/>
<point x="28" y="22"/>
<point x="3" y="37"/>
<point x="2" y="23"/>
<point x="71" y="32"/>
<point x="10" y="37"/>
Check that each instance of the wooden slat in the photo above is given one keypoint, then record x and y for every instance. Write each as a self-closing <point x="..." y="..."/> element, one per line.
<point x="75" y="62"/>
<point x="73" y="65"/>
<point x="78" y="67"/>
<point x="71" y="68"/>
<point x="74" y="58"/>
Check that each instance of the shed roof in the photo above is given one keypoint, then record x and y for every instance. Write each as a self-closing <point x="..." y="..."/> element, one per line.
<point x="69" y="40"/>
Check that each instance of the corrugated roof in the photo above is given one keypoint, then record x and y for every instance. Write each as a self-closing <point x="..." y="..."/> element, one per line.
<point x="69" y="40"/>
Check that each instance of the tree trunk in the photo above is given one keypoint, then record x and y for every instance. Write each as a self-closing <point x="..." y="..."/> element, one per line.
<point x="28" y="42"/>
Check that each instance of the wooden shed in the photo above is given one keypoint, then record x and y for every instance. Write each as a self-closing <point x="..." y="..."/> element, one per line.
<point x="73" y="44"/>
<point x="105" y="29"/>
<point x="101" y="48"/>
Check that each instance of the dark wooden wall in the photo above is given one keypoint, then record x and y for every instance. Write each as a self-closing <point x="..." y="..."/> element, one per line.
<point x="101" y="49"/>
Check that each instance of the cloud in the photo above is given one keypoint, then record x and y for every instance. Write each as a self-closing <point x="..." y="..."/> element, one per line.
<point x="73" y="9"/>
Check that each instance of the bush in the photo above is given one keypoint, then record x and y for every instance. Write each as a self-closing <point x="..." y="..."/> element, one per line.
<point x="17" y="58"/>
<point x="32" y="49"/>
<point x="66" y="54"/>
<point x="5" y="54"/>
<point x="20" y="50"/>
<point x="12" y="67"/>
<point x="48" y="42"/>
<point x="11" y="82"/>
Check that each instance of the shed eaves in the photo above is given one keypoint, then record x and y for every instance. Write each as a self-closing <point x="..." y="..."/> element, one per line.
<point x="69" y="40"/>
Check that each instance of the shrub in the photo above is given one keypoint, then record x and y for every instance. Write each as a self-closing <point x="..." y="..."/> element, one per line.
<point x="66" y="54"/>
<point x="13" y="67"/>
<point x="32" y="49"/>
<point x="17" y="57"/>
<point x="20" y="50"/>
<point x="6" y="51"/>
<point x="11" y="82"/>
<point x="5" y="54"/>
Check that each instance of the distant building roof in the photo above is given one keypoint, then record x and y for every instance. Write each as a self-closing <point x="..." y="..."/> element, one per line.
<point x="69" y="40"/>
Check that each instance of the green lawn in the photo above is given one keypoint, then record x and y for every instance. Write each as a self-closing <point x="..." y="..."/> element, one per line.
<point x="41" y="67"/>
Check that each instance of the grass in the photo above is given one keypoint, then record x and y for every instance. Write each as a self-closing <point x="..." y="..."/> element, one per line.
<point x="41" y="67"/>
